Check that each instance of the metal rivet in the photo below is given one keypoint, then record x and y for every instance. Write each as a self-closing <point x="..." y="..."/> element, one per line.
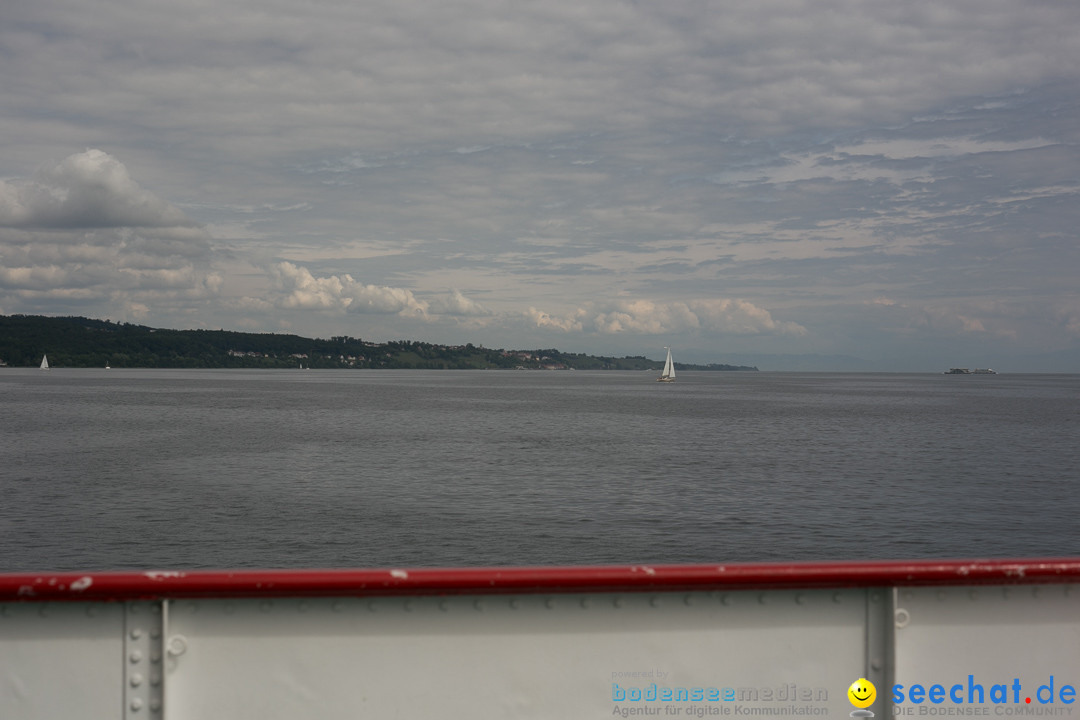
<point x="155" y="679"/>
<point x="136" y="679"/>
<point x="688" y="600"/>
<point x="800" y="598"/>
<point x="408" y="605"/>
<point x="514" y="604"/>
<point x="43" y="611"/>
<point x="549" y="603"/>
<point x="725" y="599"/>
<point x="136" y="704"/>
<point x="155" y="705"/>
<point x="136" y="633"/>
<point x="875" y="665"/>
<point x="901" y="617"/>
<point x="135" y="656"/>
<point x="617" y="602"/>
<point x="444" y="605"/>
<point x="177" y="645"/>
<point x="479" y="605"/>
<point x="655" y="601"/>
<point x="763" y="598"/>
<point x="585" y="603"/>
<point x="838" y="597"/>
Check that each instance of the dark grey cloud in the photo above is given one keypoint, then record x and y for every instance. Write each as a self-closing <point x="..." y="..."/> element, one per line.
<point x="86" y="190"/>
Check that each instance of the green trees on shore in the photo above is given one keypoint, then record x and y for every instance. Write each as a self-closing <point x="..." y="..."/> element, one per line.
<point x="85" y="342"/>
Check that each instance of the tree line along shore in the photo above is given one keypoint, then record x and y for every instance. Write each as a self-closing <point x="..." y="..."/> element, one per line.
<point x="78" y="342"/>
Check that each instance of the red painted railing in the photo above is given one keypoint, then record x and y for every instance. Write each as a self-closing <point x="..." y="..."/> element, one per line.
<point x="105" y="586"/>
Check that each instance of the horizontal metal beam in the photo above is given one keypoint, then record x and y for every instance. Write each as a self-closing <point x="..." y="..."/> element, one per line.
<point x="965" y="637"/>
<point x="158" y="584"/>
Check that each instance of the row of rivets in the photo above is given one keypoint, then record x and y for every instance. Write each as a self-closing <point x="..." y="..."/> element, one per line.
<point x="144" y="673"/>
<point x="975" y="594"/>
<point x="902" y="616"/>
<point x="482" y="604"/>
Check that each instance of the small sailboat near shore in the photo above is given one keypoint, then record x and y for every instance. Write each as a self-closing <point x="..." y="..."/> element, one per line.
<point x="44" y="362"/>
<point x="668" y="375"/>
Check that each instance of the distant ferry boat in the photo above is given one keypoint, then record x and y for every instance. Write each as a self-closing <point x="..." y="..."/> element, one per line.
<point x="965" y="371"/>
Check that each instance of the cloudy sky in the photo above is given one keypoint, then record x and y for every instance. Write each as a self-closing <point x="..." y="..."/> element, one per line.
<point x="897" y="182"/>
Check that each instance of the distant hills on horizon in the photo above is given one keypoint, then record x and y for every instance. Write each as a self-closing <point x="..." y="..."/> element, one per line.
<point x="79" y="342"/>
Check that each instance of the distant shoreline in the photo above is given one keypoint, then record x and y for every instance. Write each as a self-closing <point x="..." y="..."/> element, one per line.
<point x="79" y="342"/>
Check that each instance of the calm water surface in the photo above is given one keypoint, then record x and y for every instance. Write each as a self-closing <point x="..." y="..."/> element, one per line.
<point x="221" y="469"/>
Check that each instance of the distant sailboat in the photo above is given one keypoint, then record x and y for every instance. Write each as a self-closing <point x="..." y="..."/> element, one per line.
<point x="44" y="362"/>
<point x="669" y="370"/>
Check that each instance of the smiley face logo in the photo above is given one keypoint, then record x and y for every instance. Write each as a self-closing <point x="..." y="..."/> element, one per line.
<point x="862" y="693"/>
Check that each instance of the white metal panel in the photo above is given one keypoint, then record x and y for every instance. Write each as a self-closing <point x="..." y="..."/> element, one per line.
<point x="997" y="635"/>
<point x="530" y="656"/>
<point x="61" y="660"/>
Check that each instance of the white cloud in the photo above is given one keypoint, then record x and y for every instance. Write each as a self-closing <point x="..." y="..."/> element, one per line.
<point x="298" y="288"/>
<point x="1072" y="325"/>
<point x="84" y="231"/>
<point x="455" y="303"/>
<point x="566" y="323"/>
<point x="647" y="317"/>
<point x="741" y="317"/>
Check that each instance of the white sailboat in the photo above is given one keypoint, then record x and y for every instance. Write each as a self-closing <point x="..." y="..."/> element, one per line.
<point x="44" y="362"/>
<point x="669" y="369"/>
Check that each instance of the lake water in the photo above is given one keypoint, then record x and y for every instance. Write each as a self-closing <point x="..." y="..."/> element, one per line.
<point x="127" y="469"/>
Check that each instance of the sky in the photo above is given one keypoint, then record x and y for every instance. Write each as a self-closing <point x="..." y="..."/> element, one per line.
<point x="826" y="185"/>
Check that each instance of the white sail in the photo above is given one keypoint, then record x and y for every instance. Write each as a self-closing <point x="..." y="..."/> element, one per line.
<point x="44" y="362"/>
<point x="669" y="370"/>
